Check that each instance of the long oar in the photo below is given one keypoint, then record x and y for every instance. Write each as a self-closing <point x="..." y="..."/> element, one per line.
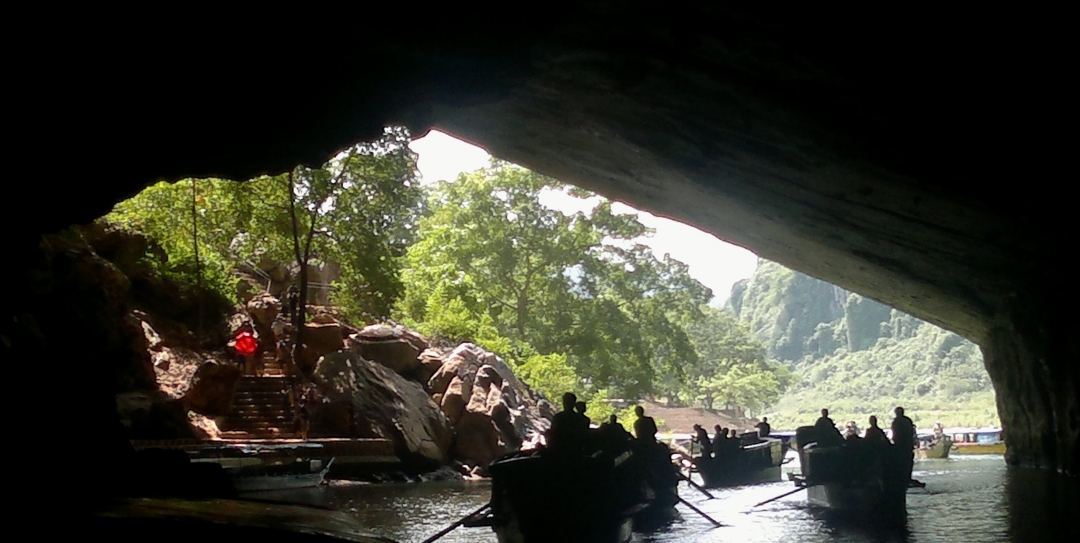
<point x="770" y="500"/>
<point x="451" y="527"/>
<point x="697" y="487"/>
<point x="696" y="510"/>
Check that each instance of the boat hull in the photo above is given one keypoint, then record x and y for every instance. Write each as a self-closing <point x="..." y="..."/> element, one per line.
<point x="856" y="477"/>
<point x="753" y="464"/>
<point x="937" y="450"/>
<point x="976" y="448"/>
<point x="855" y="498"/>
<point x="587" y="499"/>
<point x="278" y="478"/>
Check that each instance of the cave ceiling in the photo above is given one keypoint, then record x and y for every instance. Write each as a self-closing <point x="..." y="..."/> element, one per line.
<point x="906" y="156"/>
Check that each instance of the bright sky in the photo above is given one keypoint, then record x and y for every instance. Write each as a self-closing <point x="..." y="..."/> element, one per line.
<point x="717" y="264"/>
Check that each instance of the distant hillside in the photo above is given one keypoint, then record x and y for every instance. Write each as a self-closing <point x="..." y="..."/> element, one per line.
<point x="858" y="357"/>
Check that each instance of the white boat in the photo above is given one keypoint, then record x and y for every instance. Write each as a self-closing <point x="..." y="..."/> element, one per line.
<point x="302" y="474"/>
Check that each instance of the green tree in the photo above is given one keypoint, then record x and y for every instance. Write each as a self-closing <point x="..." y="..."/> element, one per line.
<point x="574" y="285"/>
<point x="358" y="210"/>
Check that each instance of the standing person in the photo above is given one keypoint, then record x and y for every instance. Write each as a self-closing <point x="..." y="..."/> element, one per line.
<point x="588" y="438"/>
<point x="903" y="436"/>
<point x="644" y="427"/>
<point x="702" y="437"/>
<point x="827" y="433"/>
<point x="293" y="297"/>
<point x="583" y="419"/>
<point x="612" y="436"/>
<point x="874" y="434"/>
<point x="763" y="428"/>
<point x="246" y="345"/>
<point x="903" y="430"/>
<point x="305" y="420"/>
<point x="565" y="432"/>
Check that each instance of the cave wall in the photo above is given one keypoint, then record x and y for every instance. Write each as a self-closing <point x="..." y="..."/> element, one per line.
<point x="907" y="157"/>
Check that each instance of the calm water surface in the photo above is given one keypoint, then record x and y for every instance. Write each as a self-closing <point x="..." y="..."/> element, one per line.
<point x="966" y="499"/>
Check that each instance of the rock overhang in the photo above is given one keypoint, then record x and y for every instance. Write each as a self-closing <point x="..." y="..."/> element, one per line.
<point x="867" y="149"/>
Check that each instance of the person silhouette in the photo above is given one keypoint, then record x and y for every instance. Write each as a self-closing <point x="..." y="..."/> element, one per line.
<point x="903" y="436"/>
<point x="702" y="437"/>
<point x="566" y="432"/>
<point x="763" y="427"/>
<point x="644" y="427"/>
<point x="827" y="433"/>
<point x="874" y="434"/>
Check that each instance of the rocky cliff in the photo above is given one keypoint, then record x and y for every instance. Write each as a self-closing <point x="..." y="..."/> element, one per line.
<point x="859" y="357"/>
<point x="175" y="376"/>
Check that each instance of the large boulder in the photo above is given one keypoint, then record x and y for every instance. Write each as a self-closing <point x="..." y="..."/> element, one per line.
<point x="263" y="309"/>
<point x="212" y="389"/>
<point x="384" y="332"/>
<point x="396" y="354"/>
<point x="430" y="363"/>
<point x="477" y="441"/>
<point x="397" y="408"/>
<point x="323" y="338"/>
<point x="150" y="414"/>
<point x="320" y="339"/>
<point x="455" y="398"/>
<point x="491" y="409"/>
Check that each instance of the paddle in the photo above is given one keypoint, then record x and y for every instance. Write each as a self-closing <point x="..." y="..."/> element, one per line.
<point x="770" y="500"/>
<point x="696" y="486"/>
<point x="451" y="527"/>
<point x="696" y="510"/>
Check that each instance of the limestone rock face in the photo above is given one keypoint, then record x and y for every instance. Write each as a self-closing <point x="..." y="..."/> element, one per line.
<point x="323" y="338"/>
<point x="320" y="339"/>
<point x="396" y="354"/>
<point x="149" y="414"/>
<point x="492" y="411"/>
<point x="430" y="363"/>
<point x="263" y="309"/>
<point x="395" y="407"/>
<point x="393" y="346"/>
<point x="212" y="388"/>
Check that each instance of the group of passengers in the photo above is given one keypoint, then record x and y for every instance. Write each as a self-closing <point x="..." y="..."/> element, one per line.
<point x="571" y="432"/>
<point x="723" y="443"/>
<point x="874" y="439"/>
<point x="903" y="431"/>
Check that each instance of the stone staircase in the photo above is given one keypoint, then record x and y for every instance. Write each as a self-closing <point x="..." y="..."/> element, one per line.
<point x="261" y="408"/>
<point x="272" y="367"/>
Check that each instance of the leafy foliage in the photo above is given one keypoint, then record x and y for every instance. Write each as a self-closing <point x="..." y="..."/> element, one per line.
<point x="580" y="302"/>
<point x="360" y="208"/>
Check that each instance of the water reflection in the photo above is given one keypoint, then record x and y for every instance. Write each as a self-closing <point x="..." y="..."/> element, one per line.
<point x="966" y="499"/>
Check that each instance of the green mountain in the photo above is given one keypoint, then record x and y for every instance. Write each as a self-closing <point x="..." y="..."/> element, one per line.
<point x="858" y="357"/>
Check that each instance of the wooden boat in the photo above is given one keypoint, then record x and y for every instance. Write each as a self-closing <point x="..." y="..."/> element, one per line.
<point x="545" y="497"/>
<point x="301" y="474"/>
<point x="931" y="447"/>
<point x="751" y="463"/>
<point x="989" y="440"/>
<point x="854" y="477"/>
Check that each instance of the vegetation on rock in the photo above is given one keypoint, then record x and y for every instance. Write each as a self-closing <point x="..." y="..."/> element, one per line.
<point x="357" y="211"/>
<point x="573" y="302"/>
<point x="858" y="357"/>
<point x="577" y="302"/>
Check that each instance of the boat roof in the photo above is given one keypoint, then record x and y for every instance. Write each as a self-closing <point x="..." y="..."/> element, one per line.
<point x="970" y="430"/>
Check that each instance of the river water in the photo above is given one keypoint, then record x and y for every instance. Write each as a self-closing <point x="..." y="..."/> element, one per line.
<point x="966" y="499"/>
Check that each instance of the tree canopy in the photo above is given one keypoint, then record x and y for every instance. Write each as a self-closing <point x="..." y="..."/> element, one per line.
<point x="574" y="302"/>
<point x="359" y="208"/>
<point x="492" y="262"/>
